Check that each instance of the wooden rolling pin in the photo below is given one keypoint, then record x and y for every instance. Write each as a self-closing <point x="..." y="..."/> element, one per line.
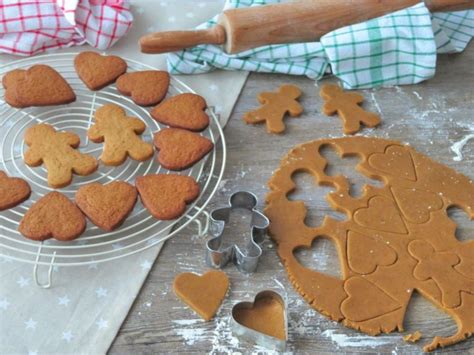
<point x="292" y="22"/>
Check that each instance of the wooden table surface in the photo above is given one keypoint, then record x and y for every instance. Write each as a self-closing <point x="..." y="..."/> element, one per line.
<point x="431" y="116"/>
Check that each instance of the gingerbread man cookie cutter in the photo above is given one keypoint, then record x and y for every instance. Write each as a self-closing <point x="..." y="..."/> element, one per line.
<point x="245" y="260"/>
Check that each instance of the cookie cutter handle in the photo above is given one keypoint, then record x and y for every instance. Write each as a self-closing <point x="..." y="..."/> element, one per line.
<point x="50" y="270"/>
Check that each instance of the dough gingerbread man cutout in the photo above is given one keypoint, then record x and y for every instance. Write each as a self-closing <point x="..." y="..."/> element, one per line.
<point x="119" y="134"/>
<point x="439" y="266"/>
<point x="346" y="105"/>
<point x="275" y="105"/>
<point x="56" y="150"/>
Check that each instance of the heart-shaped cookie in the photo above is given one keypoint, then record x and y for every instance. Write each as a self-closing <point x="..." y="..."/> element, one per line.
<point x="53" y="216"/>
<point x="204" y="294"/>
<point x="416" y="205"/>
<point x="396" y="161"/>
<point x="180" y="149"/>
<point x="107" y="206"/>
<point x="40" y="85"/>
<point x="146" y="88"/>
<point x="382" y="215"/>
<point x="166" y="195"/>
<point x="265" y="316"/>
<point x="97" y="71"/>
<point x="365" y="253"/>
<point x="366" y="300"/>
<point x="185" y="111"/>
<point x="13" y="191"/>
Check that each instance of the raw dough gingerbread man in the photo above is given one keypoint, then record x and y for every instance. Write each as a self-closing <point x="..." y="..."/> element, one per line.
<point x="275" y="106"/>
<point x="439" y="266"/>
<point x="56" y="150"/>
<point x="346" y="104"/>
<point x="120" y="136"/>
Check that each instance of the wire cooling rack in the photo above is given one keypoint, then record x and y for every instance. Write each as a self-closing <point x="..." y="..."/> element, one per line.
<point x="140" y="231"/>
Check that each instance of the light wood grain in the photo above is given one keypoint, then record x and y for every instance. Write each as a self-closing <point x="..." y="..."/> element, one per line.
<point x="430" y="116"/>
<point x="291" y="22"/>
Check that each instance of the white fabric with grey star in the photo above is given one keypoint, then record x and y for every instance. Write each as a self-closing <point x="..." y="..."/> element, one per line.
<point x="84" y="309"/>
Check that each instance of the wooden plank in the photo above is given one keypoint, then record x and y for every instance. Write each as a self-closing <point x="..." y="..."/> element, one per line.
<point x="430" y="116"/>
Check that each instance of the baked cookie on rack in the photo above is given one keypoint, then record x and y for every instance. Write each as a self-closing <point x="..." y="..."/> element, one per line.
<point x="107" y="206"/>
<point x="97" y="71"/>
<point x="13" y="191"/>
<point x="146" y="87"/>
<point x="180" y="149"/>
<point x="39" y="85"/>
<point x="120" y="135"/>
<point x="53" y="216"/>
<point x="57" y="151"/>
<point x="186" y="111"/>
<point x="166" y="195"/>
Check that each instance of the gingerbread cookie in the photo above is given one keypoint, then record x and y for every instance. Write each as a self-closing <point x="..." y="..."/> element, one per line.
<point x="120" y="136"/>
<point x="186" y="111"/>
<point x="39" y="85"/>
<point x="204" y="294"/>
<point x="346" y="105"/>
<point x="53" y="216"/>
<point x="146" y="88"/>
<point x="396" y="239"/>
<point x="56" y="150"/>
<point x="275" y="105"/>
<point x="166" y="196"/>
<point x="97" y="71"/>
<point x="180" y="149"/>
<point x="107" y="206"/>
<point x="13" y="191"/>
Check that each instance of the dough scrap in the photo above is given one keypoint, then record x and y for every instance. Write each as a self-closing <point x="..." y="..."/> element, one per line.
<point x="428" y="257"/>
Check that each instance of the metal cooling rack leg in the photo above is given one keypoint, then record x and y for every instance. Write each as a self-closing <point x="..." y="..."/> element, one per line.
<point x="50" y="271"/>
<point x="202" y="231"/>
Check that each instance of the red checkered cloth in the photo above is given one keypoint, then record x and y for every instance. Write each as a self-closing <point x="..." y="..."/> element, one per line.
<point x="29" y="27"/>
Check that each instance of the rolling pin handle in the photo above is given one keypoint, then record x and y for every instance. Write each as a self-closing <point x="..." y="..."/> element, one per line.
<point x="172" y="41"/>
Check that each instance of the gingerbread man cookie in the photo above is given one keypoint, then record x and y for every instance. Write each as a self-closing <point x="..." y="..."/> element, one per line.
<point x="120" y="136"/>
<point x="346" y="104"/>
<point x="56" y="150"/>
<point x="275" y="106"/>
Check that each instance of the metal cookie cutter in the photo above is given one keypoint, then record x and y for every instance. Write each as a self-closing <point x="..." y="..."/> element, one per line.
<point x="252" y="335"/>
<point x="246" y="261"/>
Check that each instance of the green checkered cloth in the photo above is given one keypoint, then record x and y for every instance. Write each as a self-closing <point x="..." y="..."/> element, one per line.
<point x="396" y="49"/>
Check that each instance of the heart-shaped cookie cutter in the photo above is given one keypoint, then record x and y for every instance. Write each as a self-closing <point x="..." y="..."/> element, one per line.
<point x="246" y="261"/>
<point x="254" y="336"/>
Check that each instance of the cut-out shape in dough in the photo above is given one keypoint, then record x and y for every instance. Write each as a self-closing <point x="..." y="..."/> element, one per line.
<point x="396" y="161"/>
<point x="346" y="104"/>
<point x="360" y="305"/>
<point x="365" y="253"/>
<point x="378" y="300"/>
<point x="382" y="215"/>
<point x="416" y="205"/>
<point x="439" y="267"/>
<point x="275" y="105"/>
<point x="204" y="294"/>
